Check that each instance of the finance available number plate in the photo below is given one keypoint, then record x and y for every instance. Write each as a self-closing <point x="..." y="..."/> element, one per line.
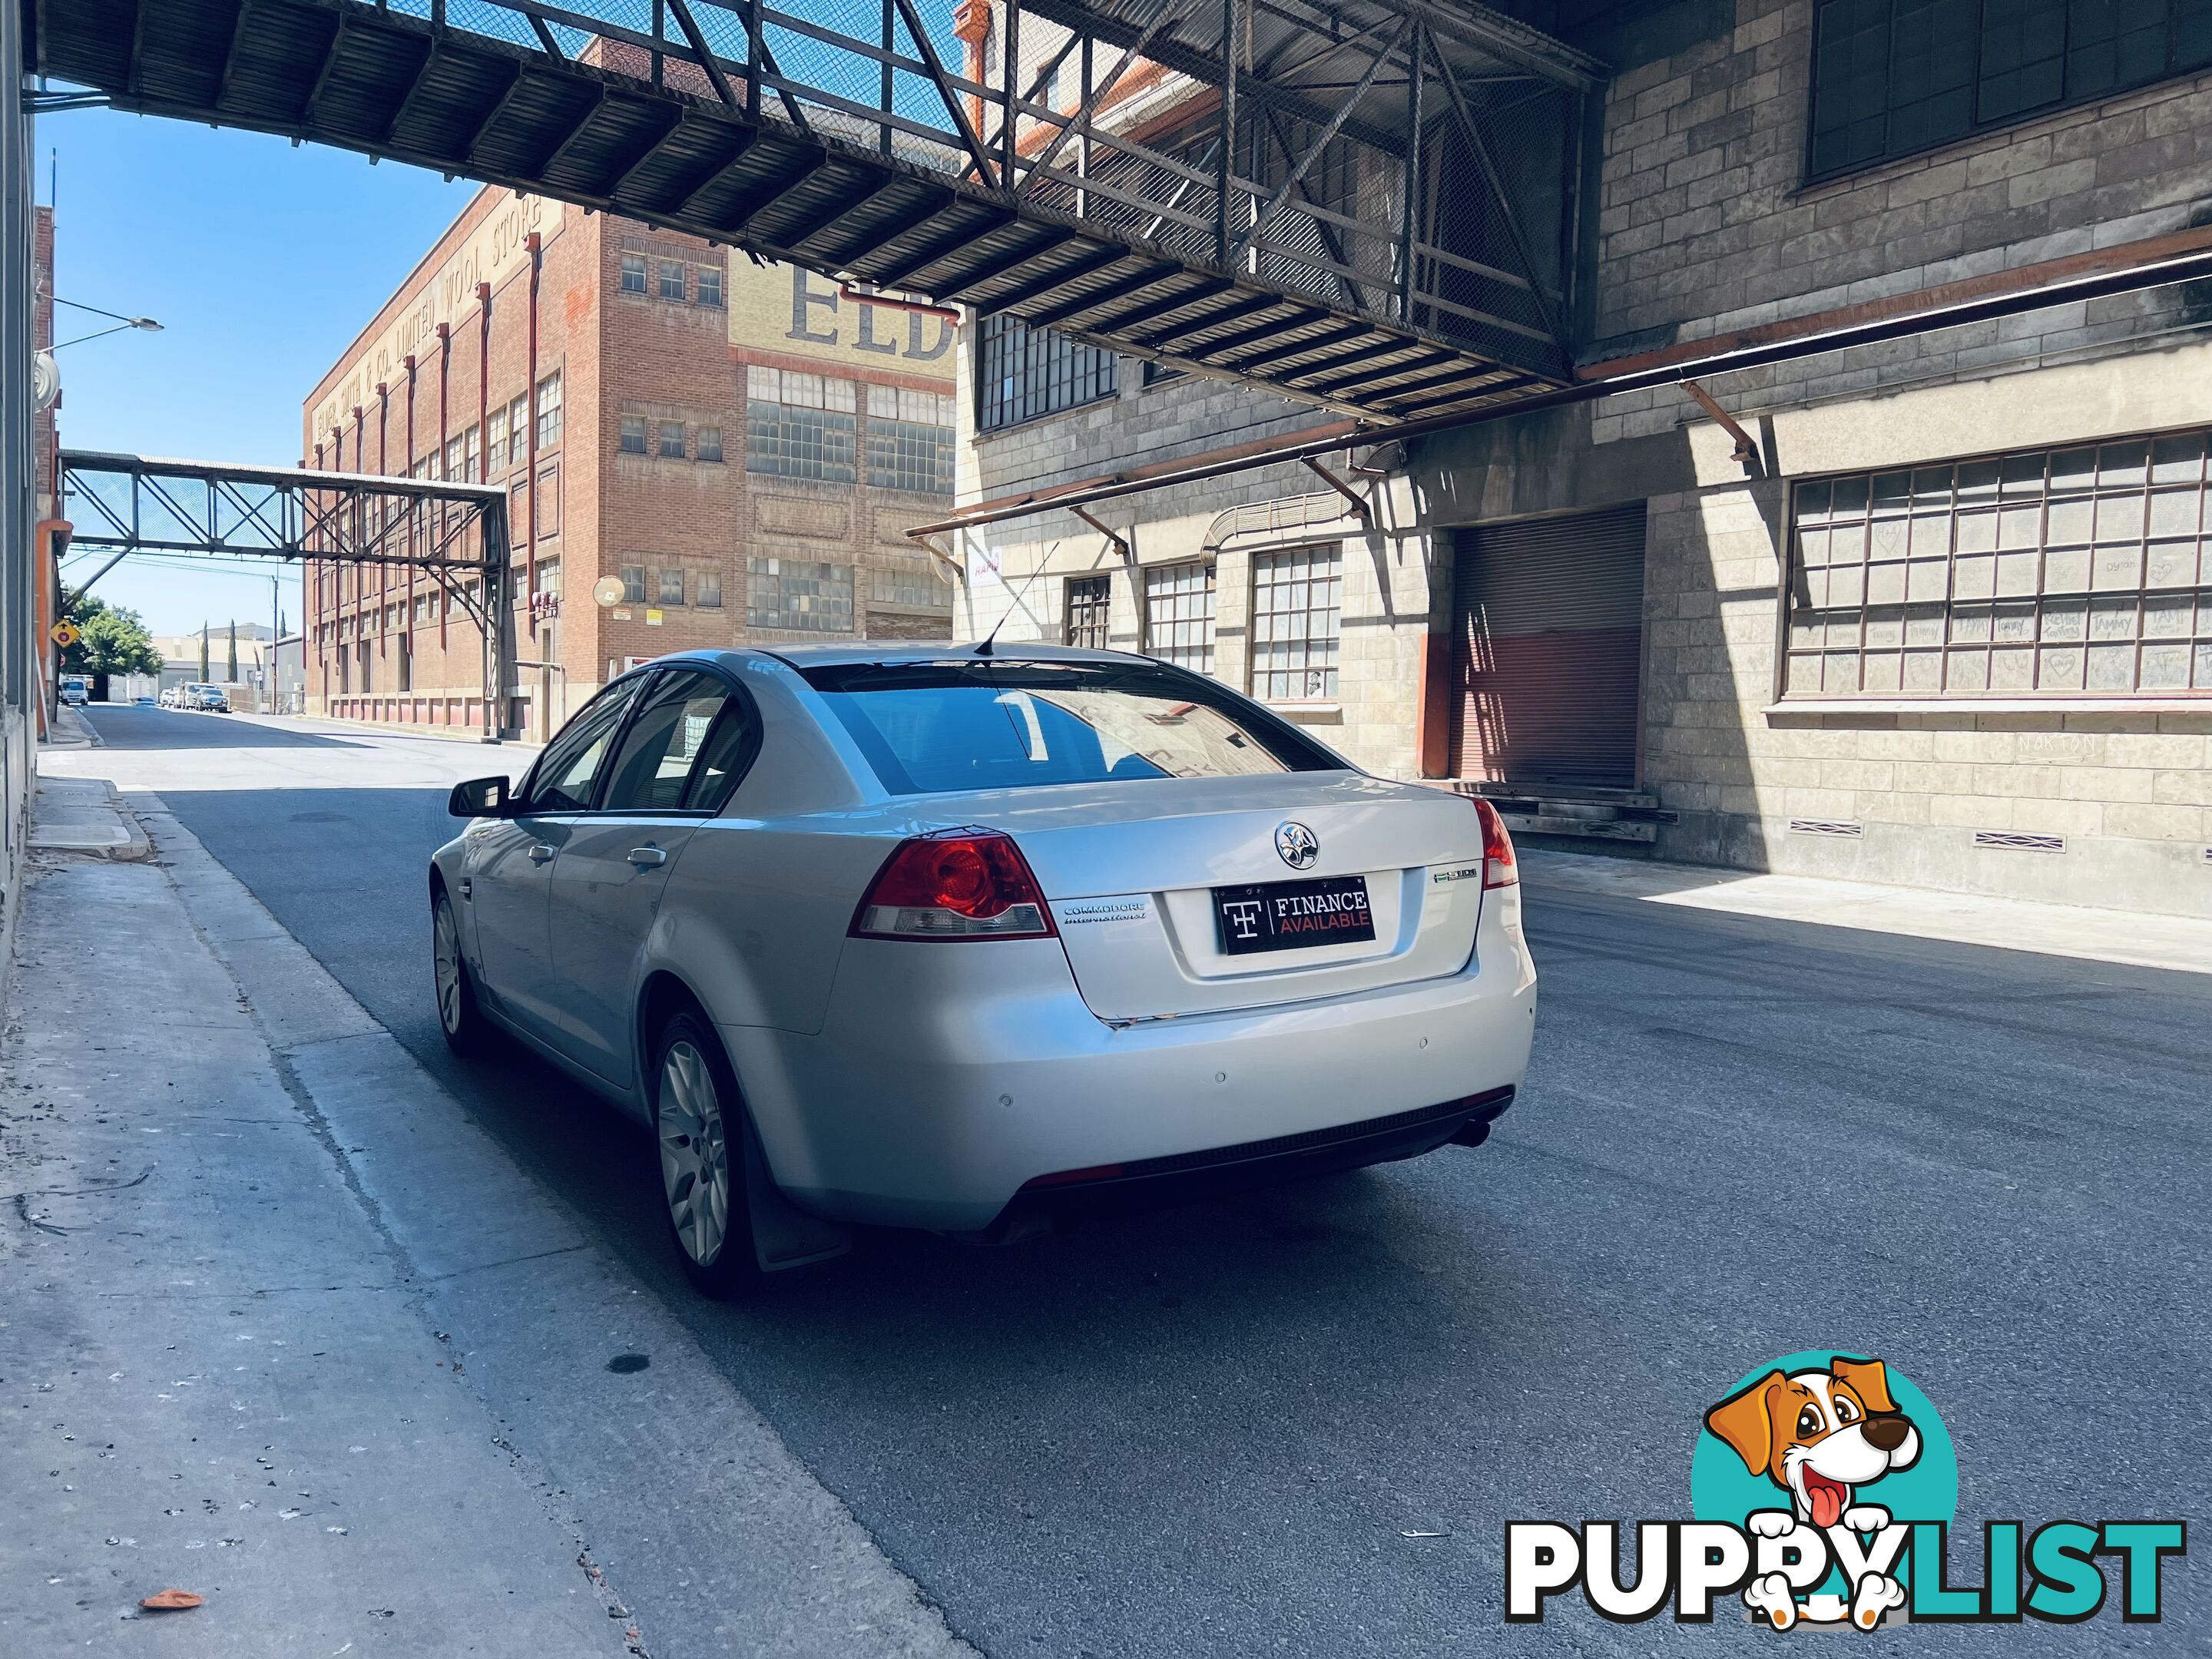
<point x="1292" y="915"/>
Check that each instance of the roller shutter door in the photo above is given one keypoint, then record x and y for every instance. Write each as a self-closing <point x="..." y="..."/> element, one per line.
<point x="1547" y="641"/>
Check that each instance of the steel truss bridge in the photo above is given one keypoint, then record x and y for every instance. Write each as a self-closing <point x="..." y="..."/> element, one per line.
<point x="1365" y="204"/>
<point x="456" y="534"/>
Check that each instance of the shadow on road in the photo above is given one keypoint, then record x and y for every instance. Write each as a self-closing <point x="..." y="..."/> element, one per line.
<point x="127" y="728"/>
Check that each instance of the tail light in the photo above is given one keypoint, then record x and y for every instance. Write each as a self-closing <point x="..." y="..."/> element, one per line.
<point x="1499" y="868"/>
<point x="958" y="883"/>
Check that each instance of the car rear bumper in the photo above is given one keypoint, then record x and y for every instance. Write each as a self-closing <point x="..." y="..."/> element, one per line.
<point x="947" y="1078"/>
<point x="1152" y="1183"/>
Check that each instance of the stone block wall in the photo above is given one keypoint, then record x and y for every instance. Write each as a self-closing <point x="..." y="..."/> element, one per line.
<point x="1705" y="224"/>
<point x="1758" y="785"/>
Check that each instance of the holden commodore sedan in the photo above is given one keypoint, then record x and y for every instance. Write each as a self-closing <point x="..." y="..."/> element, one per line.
<point x="977" y="941"/>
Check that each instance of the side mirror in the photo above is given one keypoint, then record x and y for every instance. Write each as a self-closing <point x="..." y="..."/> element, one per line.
<point x="481" y="798"/>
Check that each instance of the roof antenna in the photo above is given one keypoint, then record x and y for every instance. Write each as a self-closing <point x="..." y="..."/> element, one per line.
<point x="1014" y="603"/>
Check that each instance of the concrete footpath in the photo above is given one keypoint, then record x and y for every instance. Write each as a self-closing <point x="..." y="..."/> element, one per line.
<point x="218" y="1378"/>
<point x="236" y="1304"/>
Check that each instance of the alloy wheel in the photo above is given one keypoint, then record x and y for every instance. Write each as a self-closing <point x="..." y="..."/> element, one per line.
<point x="445" y="967"/>
<point x="695" y="1160"/>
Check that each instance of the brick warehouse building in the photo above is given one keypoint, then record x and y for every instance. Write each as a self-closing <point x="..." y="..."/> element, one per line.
<point x="1948" y="622"/>
<point x="739" y="445"/>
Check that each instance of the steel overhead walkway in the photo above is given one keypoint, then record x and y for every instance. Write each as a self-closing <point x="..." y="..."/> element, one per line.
<point x="456" y="534"/>
<point x="1362" y="204"/>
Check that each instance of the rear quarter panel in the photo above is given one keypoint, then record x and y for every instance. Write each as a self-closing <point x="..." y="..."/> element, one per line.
<point x="754" y="919"/>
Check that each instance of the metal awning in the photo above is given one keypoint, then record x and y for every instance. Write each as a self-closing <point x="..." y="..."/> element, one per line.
<point x="1231" y="187"/>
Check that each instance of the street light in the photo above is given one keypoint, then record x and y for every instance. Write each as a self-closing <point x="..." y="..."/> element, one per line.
<point x="121" y="323"/>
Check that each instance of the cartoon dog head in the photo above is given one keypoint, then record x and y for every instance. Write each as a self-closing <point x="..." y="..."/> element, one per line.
<point x="1819" y="1434"/>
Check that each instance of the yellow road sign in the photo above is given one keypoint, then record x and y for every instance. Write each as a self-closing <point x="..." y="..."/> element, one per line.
<point x="66" y="635"/>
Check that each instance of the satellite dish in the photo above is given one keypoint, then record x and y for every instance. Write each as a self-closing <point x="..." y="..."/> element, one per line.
<point x="45" y="381"/>
<point x="608" y="590"/>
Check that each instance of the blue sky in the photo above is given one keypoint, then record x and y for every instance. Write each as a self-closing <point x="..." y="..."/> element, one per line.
<point x="260" y="261"/>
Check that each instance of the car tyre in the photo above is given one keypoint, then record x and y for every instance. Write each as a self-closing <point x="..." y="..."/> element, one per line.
<point x="699" y="1132"/>
<point x="459" y="1019"/>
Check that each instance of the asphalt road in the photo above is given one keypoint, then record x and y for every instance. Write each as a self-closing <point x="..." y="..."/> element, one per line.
<point x="1298" y="1423"/>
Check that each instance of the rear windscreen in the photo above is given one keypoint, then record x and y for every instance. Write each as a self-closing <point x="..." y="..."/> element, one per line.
<point x="927" y="728"/>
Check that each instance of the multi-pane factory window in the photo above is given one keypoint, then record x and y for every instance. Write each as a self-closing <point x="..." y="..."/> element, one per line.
<point x="800" y="595"/>
<point x="2082" y="572"/>
<point x="632" y="579"/>
<point x="710" y="285"/>
<point x="910" y="441"/>
<point x="671" y="441"/>
<point x="472" y="455"/>
<point x="709" y="595"/>
<point x="1023" y="372"/>
<point x="1893" y="76"/>
<point x="799" y="425"/>
<point x="1297" y="600"/>
<point x="671" y="281"/>
<point x="633" y="435"/>
<point x="672" y="587"/>
<point x="633" y="273"/>
<point x="910" y="579"/>
<point x="496" y="426"/>
<point x="1179" y="615"/>
<point x="454" y="453"/>
<point x="1090" y="609"/>
<point x="710" y="443"/>
<point x="517" y="428"/>
<point x="549" y="410"/>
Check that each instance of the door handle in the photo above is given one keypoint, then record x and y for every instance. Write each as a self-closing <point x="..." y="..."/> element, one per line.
<point x="646" y="857"/>
<point x="540" y="852"/>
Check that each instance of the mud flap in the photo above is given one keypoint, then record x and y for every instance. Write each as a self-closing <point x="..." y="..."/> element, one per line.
<point x="784" y="1236"/>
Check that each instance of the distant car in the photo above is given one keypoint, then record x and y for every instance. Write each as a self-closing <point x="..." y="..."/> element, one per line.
<point x="143" y="702"/>
<point x="207" y="699"/>
<point x="75" y="694"/>
<point x="921" y="937"/>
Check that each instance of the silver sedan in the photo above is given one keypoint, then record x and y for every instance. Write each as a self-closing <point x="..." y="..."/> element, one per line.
<point x="933" y="937"/>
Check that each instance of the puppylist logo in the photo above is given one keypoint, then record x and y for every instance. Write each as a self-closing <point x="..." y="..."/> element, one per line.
<point x="1824" y="1488"/>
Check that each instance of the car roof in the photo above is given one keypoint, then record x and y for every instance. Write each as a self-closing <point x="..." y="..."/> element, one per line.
<point x="896" y="651"/>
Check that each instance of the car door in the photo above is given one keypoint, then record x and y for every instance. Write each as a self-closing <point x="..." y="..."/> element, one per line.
<point x="672" y="770"/>
<point x="510" y="864"/>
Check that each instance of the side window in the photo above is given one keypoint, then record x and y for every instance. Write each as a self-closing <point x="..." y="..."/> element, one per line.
<point x="664" y="743"/>
<point x="572" y="762"/>
<point x="730" y="750"/>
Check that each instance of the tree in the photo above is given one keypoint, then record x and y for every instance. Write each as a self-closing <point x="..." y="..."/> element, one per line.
<point x="115" y="641"/>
